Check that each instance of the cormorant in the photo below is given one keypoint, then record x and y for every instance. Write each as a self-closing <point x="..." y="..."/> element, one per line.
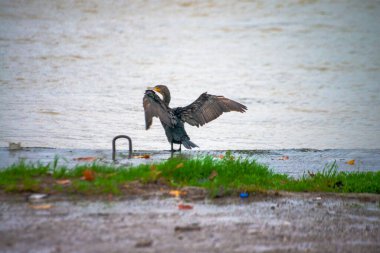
<point x="203" y="110"/>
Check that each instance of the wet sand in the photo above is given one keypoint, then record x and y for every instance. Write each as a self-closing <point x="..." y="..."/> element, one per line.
<point x="286" y="223"/>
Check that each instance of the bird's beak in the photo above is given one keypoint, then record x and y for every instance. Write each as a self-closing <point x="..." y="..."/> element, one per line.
<point x="155" y="89"/>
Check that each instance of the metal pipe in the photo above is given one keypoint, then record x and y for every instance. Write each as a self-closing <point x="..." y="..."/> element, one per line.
<point x="114" y="145"/>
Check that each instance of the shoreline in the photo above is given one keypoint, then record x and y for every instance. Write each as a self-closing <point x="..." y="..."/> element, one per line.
<point x="293" y="162"/>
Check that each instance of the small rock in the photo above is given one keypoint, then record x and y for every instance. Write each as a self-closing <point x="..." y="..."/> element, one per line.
<point x="194" y="193"/>
<point x="253" y="231"/>
<point x="272" y="207"/>
<point x="15" y="146"/>
<point x="144" y="243"/>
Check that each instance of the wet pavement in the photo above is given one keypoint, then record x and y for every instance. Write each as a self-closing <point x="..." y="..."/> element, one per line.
<point x="283" y="222"/>
<point x="294" y="162"/>
<point x="286" y="222"/>
<point x="297" y="223"/>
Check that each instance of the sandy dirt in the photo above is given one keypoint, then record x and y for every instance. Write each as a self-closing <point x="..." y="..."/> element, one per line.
<point x="277" y="223"/>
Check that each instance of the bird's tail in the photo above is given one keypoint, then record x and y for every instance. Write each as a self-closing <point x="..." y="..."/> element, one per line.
<point x="189" y="144"/>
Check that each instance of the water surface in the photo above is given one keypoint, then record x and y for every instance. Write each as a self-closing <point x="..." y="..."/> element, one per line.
<point x="73" y="73"/>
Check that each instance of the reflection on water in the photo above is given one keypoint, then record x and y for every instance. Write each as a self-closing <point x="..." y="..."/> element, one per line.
<point x="73" y="73"/>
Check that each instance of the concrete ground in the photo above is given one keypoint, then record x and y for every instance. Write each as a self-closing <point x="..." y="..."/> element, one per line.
<point x="285" y="223"/>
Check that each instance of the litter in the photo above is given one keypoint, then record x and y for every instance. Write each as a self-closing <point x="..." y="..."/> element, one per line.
<point x="37" y="196"/>
<point x="244" y="195"/>
<point x="184" y="207"/>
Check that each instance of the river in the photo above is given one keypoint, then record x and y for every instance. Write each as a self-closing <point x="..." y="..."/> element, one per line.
<point x="73" y="73"/>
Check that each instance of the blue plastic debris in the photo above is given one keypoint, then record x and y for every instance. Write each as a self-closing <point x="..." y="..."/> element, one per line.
<point x="244" y="195"/>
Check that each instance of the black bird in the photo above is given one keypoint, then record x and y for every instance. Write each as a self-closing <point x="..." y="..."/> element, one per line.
<point x="203" y="110"/>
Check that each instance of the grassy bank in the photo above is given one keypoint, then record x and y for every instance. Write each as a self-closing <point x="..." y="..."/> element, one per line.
<point x="219" y="176"/>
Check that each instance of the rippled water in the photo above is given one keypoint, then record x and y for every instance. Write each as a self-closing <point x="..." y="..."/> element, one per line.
<point x="73" y="73"/>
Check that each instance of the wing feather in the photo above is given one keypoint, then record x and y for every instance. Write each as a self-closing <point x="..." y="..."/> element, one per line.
<point x="207" y="108"/>
<point x="155" y="107"/>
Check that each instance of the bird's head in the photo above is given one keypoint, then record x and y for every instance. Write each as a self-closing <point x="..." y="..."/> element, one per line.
<point x="163" y="90"/>
<point x="159" y="88"/>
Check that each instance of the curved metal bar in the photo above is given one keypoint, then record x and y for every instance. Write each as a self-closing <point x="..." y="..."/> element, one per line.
<point x="114" y="145"/>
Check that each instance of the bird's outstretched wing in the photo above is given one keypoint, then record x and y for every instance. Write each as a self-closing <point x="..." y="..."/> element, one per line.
<point x="207" y="108"/>
<point x="155" y="107"/>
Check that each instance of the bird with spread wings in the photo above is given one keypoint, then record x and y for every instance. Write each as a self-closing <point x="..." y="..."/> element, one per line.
<point x="203" y="110"/>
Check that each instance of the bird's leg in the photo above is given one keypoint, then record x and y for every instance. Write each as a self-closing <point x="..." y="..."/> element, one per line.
<point x="172" y="150"/>
<point x="180" y="147"/>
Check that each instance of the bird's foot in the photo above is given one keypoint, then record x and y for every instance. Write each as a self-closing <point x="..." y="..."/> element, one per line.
<point x="176" y="150"/>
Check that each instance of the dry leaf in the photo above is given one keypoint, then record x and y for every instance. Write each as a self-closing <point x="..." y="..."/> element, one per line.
<point x="184" y="207"/>
<point x="177" y="193"/>
<point x="351" y="162"/>
<point x="63" y="181"/>
<point x="41" y="207"/>
<point x="153" y="167"/>
<point x="145" y="156"/>
<point x="85" y="159"/>
<point x="221" y="156"/>
<point x="89" y="175"/>
<point x="213" y="175"/>
<point x="285" y="157"/>
<point x="179" y="166"/>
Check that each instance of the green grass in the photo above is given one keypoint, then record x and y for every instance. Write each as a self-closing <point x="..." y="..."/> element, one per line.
<point x="227" y="175"/>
